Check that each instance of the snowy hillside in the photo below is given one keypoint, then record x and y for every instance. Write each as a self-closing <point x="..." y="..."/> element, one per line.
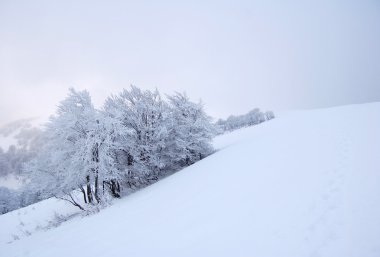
<point x="304" y="184"/>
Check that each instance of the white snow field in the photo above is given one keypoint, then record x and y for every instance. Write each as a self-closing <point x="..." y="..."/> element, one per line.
<point x="304" y="184"/>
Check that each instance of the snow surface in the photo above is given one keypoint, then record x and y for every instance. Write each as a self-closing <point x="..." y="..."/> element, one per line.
<point x="304" y="184"/>
<point x="33" y="219"/>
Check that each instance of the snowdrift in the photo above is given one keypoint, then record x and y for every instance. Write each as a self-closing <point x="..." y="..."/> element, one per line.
<point x="304" y="184"/>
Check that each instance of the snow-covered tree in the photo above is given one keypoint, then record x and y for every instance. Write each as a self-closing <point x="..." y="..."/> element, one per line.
<point x="253" y="117"/>
<point x="4" y="164"/>
<point x="135" y="139"/>
<point x="269" y="115"/>
<point x="67" y="162"/>
<point x="190" y="132"/>
<point x="142" y="116"/>
<point x="8" y="200"/>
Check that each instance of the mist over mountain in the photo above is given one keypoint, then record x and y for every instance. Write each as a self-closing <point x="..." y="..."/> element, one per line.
<point x="19" y="133"/>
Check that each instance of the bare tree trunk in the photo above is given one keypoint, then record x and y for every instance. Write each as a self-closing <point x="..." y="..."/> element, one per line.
<point x="95" y="158"/>
<point x="84" y="194"/>
<point x="97" y="187"/>
<point x="115" y="189"/>
<point x="89" y="190"/>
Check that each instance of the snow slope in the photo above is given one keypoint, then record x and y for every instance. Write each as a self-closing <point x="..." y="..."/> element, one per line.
<point x="33" y="219"/>
<point x="304" y="184"/>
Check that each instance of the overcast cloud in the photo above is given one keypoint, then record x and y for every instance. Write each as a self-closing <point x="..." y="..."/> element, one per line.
<point x="234" y="55"/>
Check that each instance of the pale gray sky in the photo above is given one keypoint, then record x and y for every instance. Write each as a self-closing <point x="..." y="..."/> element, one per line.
<point x="235" y="55"/>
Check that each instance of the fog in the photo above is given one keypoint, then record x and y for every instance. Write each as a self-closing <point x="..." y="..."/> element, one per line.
<point x="234" y="55"/>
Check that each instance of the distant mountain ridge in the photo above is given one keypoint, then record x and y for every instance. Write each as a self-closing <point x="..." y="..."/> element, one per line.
<point x="19" y="133"/>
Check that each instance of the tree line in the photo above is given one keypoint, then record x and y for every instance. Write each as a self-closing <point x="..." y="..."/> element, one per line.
<point x="251" y="118"/>
<point x="90" y="155"/>
<point x="87" y="155"/>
